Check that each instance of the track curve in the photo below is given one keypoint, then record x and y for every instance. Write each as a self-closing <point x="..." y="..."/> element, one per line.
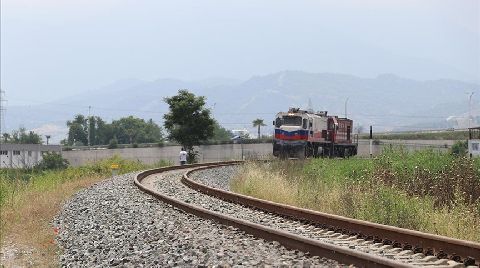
<point x="352" y="227"/>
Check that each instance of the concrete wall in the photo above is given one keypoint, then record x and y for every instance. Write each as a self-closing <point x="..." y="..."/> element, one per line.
<point x="207" y="153"/>
<point x="412" y="145"/>
<point x="210" y="153"/>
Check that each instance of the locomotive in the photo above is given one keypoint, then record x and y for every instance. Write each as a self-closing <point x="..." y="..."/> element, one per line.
<point x="301" y="134"/>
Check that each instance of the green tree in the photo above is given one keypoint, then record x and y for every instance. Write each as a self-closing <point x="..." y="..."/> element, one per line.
<point x="125" y="130"/>
<point x="77" y="130"/>
<point x="459" y="148"/>
<point x="103" y="133"/>
<point x="258" y="123"/>
<point x="21" y="136"/>
<point x="220" y="134"/>
<point x="52" y="160"/>
<point x="135" y="130"/>
<point x="113" y="144"/>
<point x="188" y="122"/>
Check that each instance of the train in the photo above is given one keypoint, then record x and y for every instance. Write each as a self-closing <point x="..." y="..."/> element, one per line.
<point x="302" y="134"/>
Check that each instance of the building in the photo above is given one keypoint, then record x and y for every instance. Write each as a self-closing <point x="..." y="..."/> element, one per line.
<point x="24" y="155"/>
<point x="474" y="141"/>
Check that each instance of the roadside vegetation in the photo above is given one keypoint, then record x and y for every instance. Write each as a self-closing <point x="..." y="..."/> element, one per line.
<point x="424" y="190"/>
<point x="29" y="199"/>
<point x="440" y="135"/>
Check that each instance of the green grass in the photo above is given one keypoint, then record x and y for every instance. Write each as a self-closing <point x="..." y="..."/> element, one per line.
<point x="441" y="135"/>
<point x="15" y="181"/>
<point x="29" y="199"/>
<point x="422" y="190"/>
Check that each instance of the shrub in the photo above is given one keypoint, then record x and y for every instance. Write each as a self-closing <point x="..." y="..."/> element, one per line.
<point x="113" y="144"/>
<point x="52" y="160"/>
<point x="460" y="148"/>
<point x="423" y="190"/>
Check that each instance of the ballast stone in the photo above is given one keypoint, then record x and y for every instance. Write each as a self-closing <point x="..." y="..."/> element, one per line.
<point x="122" y="226"/>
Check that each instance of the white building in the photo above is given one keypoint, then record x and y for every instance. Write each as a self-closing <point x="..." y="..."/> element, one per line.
<point x="474" y="142"/>
<point x="24" y="155"/>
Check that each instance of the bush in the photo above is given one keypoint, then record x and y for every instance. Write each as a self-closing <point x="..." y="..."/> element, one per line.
<point x="52" y="160"/>
<point x="460" y="148"/>
<point x="113" y="144"/>
<point x="423" y="190"/>
<point x="192" y="156"/>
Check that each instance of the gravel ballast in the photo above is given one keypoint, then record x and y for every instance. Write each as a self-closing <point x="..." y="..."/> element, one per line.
<point x="113" y="223"/>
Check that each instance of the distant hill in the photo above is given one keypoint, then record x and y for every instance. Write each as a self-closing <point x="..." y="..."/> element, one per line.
<point x="388" y="102"/>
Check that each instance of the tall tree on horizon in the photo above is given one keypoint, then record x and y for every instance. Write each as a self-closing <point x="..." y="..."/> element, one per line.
<point x="188" y="122"/>
<point x="258" y="123"/>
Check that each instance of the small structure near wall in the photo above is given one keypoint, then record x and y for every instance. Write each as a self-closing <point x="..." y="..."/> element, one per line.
<point x="474" y="142"/>
<point x="24" y="155"/>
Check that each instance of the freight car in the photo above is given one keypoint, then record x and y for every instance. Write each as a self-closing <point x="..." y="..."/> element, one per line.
<point x="300" y="134"/>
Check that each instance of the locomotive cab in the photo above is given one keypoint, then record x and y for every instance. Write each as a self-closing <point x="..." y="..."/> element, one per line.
<point x="292" y="132"/>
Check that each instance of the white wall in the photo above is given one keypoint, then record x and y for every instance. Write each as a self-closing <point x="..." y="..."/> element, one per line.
<point x="474" y="148"/>
<point x="24" y="155"/>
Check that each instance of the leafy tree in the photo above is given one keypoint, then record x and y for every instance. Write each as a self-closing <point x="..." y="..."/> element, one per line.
<point x="21" y="136"/>
<point x="459" y="148"/>
<point x="188" y="122"/>
<point x="258" y="123"/>
<point x="52" y="160"/>
<point x="125" y="130"/>
<point x="77" y="130"/>
<point x="135" y="130"/>
<point x="104" y="132"/>
<point x="152" y="132"/>
<point x="220" y="133"/>
<point x="113" y="143"/>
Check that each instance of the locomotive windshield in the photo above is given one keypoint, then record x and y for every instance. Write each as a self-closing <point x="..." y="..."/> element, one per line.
<point x="291" y="121"/>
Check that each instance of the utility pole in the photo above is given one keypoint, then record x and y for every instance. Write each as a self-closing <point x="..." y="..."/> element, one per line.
<point x="48" y="137"/>
<point x="346" y="107"/>
<point x="470" y="108"/>
<point x="2" y="109"/>
<point x="371" y="142"/>
<point x="88" y="122"/>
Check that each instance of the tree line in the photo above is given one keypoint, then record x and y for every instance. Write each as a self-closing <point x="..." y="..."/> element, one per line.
<point x="188" y="123"/>
<point x="93" y="130"/>
<point x="22" y="136"/>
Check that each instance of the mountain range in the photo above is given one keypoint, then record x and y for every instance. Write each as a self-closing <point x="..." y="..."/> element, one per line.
<point x="388" y="102"/>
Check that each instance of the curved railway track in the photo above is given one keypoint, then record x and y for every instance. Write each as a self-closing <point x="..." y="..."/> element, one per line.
<point x="346" y="240"/>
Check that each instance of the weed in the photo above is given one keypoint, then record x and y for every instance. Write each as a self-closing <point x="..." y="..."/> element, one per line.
<point x="422" y="190"/>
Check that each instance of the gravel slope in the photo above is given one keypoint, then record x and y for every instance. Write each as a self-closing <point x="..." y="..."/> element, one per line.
<point x="114" y="224"/>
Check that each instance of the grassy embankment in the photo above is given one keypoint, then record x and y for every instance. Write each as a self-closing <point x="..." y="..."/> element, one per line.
<point x="30" y="199"/>
<point x="423" y="190"/>
<point x="441" y="135"/>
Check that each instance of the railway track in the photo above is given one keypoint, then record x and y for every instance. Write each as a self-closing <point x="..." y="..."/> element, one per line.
<point x="346" y="240"/>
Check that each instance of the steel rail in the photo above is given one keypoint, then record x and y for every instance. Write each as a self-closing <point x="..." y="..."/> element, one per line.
<point x="314" y="247"/>
<point x="422" y="241"/>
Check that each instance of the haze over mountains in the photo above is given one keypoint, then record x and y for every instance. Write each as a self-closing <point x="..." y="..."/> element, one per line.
<point x="388" y="102"/>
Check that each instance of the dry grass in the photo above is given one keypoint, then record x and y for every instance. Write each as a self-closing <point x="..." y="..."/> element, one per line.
<point x="30" y="199"/>
<point x="275" y="188"/>
<point x="353" y="188"/>
<point x="26" y="222"/>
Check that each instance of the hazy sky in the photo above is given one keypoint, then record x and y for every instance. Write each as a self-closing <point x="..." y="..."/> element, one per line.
<point x="56" y="48"/>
